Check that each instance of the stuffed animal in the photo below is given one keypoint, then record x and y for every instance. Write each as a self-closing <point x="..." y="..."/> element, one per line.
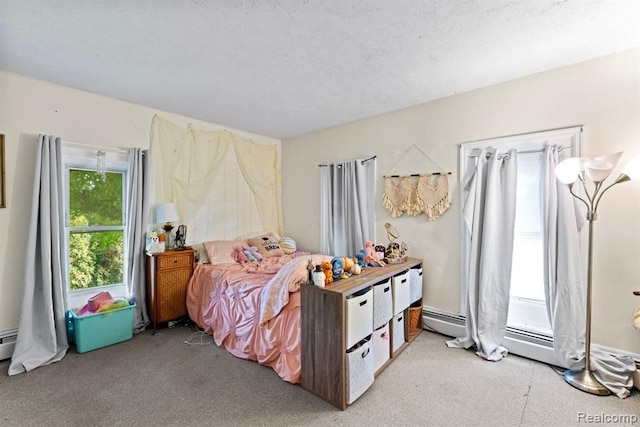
<point x="238" y="255"/>
<point x="248" y="254"/>
<point x="360" y="259"/>
<point x="372" y="254"/>
<point x="253" y="250"/>
<point x="356" y="269"/>
<point x="327" y="268"/>
<point x="347" y="263"/>
<point x="337" y="270"/>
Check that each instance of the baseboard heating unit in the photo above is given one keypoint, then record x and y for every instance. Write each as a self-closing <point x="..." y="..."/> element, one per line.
<point x="7" y="343"/>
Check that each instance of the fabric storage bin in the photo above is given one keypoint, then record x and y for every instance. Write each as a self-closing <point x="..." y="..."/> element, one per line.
<point x="359" y="316"/>
<point x="382" y="303"/>
<point x="415" y="284"/>
<point x="397" y="332"/>
<point x="360" y="371"/>
<point x="381" y="346"/>
<point x="93" y="331"/>
<point x="401" y="292"/>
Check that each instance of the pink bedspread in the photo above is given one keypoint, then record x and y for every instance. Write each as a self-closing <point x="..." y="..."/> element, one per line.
<point x="230" y="300"/>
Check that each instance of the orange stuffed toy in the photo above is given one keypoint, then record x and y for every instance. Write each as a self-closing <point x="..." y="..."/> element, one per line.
<point x="327" y="268"/>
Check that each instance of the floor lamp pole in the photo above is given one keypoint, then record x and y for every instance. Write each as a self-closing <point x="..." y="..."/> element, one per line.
<point x="583" y="379"/>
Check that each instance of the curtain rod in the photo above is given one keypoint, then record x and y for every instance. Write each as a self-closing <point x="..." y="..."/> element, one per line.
<point x="362" y="162"/>
<point x="538" y="150"/>
<point x="95" y="147"/>
<point x="417" y="174"/>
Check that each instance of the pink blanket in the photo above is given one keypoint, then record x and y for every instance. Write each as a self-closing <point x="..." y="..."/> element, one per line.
<point x="253" y="310"/>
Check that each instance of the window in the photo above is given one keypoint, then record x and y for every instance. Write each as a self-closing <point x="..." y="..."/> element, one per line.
<point x="95" y="225"/>
<point x="527" y="306"/>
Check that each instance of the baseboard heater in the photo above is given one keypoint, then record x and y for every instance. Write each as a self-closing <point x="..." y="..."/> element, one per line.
<point x="523" y="343"/>
<point x="7" y="343"/>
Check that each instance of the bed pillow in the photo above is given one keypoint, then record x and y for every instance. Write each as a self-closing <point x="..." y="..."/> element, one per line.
<point x="221" y="251"/>
<point x="267" y="245"/>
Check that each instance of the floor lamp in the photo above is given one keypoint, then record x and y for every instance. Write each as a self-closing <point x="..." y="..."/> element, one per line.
<point x="590" y="174"/>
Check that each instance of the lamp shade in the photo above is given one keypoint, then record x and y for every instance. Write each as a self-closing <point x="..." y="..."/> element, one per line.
<point x="632" y="169"/>
<point x="568" y="170"/>
<point x="166" y="212"/>
<point x="598" y="170"/>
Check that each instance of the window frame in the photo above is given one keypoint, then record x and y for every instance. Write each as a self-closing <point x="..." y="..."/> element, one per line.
<point x="87" y="161"/>
<point x="527" y="142"/>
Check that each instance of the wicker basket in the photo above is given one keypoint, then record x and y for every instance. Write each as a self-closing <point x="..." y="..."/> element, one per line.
<point x="414" y="317"/>
<point x="395" y="260"/>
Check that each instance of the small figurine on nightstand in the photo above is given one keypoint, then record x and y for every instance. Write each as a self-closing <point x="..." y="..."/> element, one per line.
<point x="310" y="269"/>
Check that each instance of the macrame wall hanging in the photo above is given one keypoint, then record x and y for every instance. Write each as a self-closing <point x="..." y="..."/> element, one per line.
<point x="416" y="194"/>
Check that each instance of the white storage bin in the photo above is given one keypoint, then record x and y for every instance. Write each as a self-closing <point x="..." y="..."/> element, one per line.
<point x="397" y="332"/>
<point x="382" y="303"/>
<point x="401" y="292"/>
<point x="415" y="284"/>
<point x="359" y="369"/>
<point x="381" y="346"/>
<point x="359" y="316"/>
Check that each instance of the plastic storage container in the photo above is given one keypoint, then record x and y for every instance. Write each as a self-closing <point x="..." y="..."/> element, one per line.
<point x="415" y="280"/>
<point x="359" y="316"/>
<point x="382" y="303"/>
<point x="401" y="292"/>
<point x="397" y="332"/>
<point x="359" y="369"/>
<point x="381" y="345"/>
<point x="93" y="331"/>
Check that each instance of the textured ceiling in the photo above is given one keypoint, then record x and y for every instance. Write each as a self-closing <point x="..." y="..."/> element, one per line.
<point x="284" y="68"/>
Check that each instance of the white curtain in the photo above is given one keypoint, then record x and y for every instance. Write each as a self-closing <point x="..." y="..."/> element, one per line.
<point x="187" y="168"/>
<point x="42" y="333"/>
<point x="347" y="209"/>
<point x="138" y="204"/>
<point x="489" y="216"/>
<point x="565" y="284"/>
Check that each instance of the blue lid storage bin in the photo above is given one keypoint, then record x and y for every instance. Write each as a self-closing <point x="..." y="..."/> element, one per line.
<point x="93" y="331"/>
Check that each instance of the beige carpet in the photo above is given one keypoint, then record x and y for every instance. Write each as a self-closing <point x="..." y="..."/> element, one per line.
<point x="160" y="380"/>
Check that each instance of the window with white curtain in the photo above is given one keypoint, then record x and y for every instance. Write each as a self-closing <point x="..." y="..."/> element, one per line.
<point x="527" y="309"/>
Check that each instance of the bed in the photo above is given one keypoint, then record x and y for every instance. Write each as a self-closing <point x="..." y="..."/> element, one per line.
<point x="253" y="309"/>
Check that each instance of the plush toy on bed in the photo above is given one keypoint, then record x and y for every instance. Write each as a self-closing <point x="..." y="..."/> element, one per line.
<point x="239" y="255"/>
<point x="252" y="253"/>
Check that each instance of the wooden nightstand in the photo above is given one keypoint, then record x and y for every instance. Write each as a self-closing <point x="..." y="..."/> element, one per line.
<point x="168" y="274"/>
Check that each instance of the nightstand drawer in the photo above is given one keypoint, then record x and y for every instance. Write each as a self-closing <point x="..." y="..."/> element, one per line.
<point x="174" y="261"/>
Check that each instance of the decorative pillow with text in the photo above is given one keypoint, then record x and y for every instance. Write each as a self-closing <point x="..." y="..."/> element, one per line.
<point x="267" y="245"/>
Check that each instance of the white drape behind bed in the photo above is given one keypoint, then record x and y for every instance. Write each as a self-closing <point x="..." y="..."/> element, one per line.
<point x="489" y="215"/>
<point x="565" y="285"/>
<point x="222" y="184"/>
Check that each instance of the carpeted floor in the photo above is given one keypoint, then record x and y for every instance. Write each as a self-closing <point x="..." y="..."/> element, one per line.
<point x="161" y="380"/>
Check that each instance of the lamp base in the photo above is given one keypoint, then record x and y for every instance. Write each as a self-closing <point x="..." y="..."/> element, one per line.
<point x="585" y="381"/>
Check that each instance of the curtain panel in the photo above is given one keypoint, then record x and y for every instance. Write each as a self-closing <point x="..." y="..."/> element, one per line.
<point x="42" y="331"/>
<point x="489" y="217"/>
<point x="347" y="209"/>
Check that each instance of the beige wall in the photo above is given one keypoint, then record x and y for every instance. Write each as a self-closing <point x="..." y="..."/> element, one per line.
<point x="29" y="107"/>
<point x="602" y="94"/>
